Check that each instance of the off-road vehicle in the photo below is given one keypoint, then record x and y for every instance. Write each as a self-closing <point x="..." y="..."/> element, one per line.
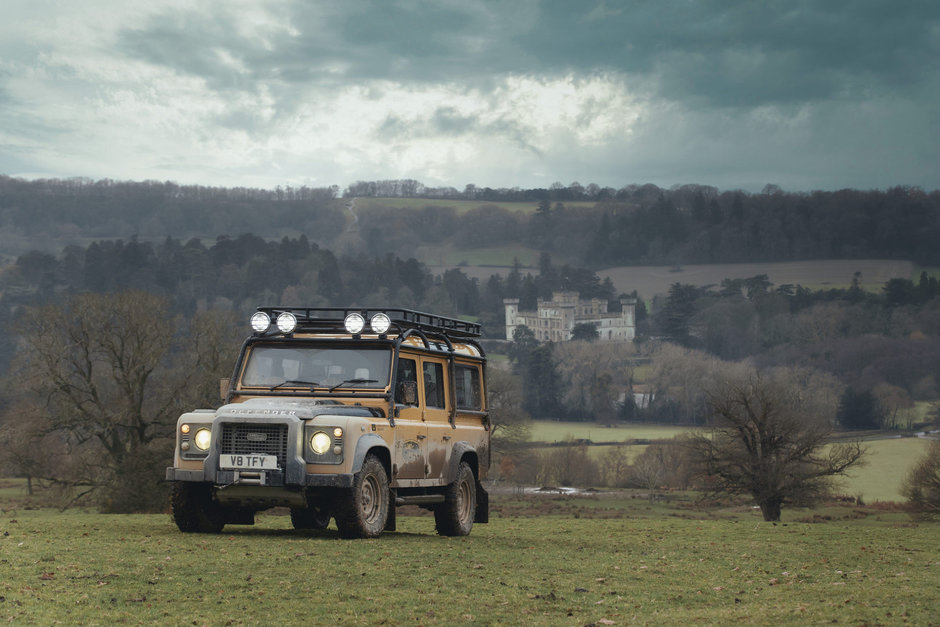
<point x="342" y="414"/>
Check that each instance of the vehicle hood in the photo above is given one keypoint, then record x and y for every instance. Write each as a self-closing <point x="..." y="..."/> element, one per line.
<point x="302" y="409"/>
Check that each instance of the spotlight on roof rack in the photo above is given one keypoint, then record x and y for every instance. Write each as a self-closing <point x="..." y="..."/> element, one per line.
<point x="260" y="322"/>
<point x="286" y="322"/>
<point x="354" y="323"/>
<point x="380" y="323"/>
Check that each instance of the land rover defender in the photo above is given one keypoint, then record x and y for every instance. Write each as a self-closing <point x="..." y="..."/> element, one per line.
<point x="342" y="414"/>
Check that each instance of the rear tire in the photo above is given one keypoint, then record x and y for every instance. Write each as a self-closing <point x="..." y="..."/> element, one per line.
<point x="362" y="511"/>
<point x="194" y="511"/>
<point x="454" y="517"/>
<point x="310" y="517"/>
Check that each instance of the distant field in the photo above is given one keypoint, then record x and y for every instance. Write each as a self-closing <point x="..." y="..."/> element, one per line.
<point x="649" y="281"/>
<point x="822" y="274"/>
<point x="440" y="259"/>
<point x="552" y="431"/>
<point x="886" y="467"/>
<point x="879" y="479"/>
<point x="461" y="206"/>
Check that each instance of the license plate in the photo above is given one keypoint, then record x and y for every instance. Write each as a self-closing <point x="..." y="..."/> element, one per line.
<point x="248" y="462"/>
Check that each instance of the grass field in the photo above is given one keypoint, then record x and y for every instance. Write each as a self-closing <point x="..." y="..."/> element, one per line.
<point x="880" y="479"/>
<point x="460" y="206"/>
<point x="613" y="569"/>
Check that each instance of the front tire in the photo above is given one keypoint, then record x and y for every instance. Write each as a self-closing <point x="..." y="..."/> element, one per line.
<point x="194" y="511"/>
<point x="454" y="517"/>
<point x="363" y="510"/>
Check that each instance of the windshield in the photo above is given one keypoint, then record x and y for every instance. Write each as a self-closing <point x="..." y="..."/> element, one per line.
<point x="312" y="366"/>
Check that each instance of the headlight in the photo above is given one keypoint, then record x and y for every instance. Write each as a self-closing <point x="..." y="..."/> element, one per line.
<point x="354" y="323"/>
<point x="202" y="439"/>
<point x="286" y="322"/>
<point x="260" y="322"/>
<point x="320" y="442"/>
<point x="380" y="323"/>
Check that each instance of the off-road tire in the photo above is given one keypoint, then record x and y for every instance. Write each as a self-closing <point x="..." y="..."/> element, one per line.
<point x="454" y="517"/>
<point x="194" y="511"/>
<point x="362" y="511"/>
<point x="310" y="517"/>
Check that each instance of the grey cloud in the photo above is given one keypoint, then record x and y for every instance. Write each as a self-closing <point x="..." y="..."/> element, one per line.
<point x="713" y="51"/>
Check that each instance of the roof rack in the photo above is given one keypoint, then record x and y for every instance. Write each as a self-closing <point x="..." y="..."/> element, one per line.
<point x="330" y="319"/>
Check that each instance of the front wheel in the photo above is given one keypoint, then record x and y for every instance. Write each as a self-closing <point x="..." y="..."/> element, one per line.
<point x="194" y="510"/>
<point x="363" y="510"/>
<point x="454" y="517"/>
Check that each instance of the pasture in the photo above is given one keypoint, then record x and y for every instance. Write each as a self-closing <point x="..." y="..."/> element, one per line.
<point x="599" y="566"/>
<point x="879" y="479"/>
<point x="649" y="281"/>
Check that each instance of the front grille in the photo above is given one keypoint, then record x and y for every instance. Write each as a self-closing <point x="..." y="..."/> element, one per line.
<point x="259" y="439"/>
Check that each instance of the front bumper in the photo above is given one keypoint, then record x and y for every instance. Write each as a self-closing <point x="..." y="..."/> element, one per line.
<point x="263" y="478"/>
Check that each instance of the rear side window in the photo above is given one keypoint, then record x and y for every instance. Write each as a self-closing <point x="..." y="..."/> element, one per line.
<point x="433" y="384"/>
<point x="467" y="383"/>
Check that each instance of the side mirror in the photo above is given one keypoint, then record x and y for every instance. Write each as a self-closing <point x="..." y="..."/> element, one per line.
<point x="408" y="392"/>
<point x="223" y="388"/>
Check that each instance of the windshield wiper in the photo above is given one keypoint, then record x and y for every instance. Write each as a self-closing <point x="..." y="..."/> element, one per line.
<point x="342" y="383"/>
<point x="294" y="382"/>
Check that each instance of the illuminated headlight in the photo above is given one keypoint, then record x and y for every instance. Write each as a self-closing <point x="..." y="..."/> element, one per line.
<point x="286" y="322"/>
<point x="320" y="442"/>
<point x="202" y="439"/>
<point x="260" y="322"/>
<point x="380" y="323"/>
<point x="354" y="323"/>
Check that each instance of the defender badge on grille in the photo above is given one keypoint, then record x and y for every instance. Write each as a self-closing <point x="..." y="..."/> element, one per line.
<point x="256" y="437"/>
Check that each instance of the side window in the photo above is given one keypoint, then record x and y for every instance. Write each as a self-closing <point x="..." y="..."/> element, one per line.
<point x="467" y="382"/>
<point x="407" y="371"/>
<point x="433" y="384"/>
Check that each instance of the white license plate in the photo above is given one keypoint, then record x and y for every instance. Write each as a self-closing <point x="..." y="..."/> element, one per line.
<point x="248" y="462"/>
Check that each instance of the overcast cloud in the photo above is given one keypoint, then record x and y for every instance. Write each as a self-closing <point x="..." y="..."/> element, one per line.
<point x="806" y="94"/>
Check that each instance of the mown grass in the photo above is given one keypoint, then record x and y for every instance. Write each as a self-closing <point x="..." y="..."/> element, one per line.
<point x="71" y="568"/>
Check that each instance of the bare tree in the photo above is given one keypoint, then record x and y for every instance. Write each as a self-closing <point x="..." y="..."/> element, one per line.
<point x="922" y="484"/>
<point x="108" y="374"/>
<point x="769" y="441"/>
<point x="504" y="394"/>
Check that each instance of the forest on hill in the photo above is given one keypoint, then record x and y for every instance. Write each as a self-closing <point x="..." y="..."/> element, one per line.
<point x="585" y="226"/>
<point x="868" y="338"/>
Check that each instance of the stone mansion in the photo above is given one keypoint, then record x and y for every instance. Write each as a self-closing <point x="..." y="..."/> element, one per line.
<point x="555" y="318"/>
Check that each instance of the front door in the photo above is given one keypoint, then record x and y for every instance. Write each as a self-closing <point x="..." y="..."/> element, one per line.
<point x="411" y="432"/>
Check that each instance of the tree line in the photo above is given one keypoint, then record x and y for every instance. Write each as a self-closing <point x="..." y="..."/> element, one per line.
<point x="586" y="226"/>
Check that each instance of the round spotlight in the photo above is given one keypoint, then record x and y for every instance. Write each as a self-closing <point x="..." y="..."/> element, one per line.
<point x="320" y="443"/>
<point x="184" y="429"/>
<point x="202" y="439"/>
<point x="260" y="322"/>
<point x="354" y="323"/>
<point x="286" y="322"/>
<point x="380" y="323"/>
<point x="338" y="432"/>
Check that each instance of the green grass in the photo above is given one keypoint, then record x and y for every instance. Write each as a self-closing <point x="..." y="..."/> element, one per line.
<point x="79" y="568"/>
<point x="880" y="479"/>
<point x="553" y="431"/>
<point x="460" y="206"/>
<point x="886" y="466"/>
<point x="498" y="256"/>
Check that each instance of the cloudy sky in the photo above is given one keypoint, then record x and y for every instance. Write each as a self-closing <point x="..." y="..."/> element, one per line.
<point x="807" y="94"/>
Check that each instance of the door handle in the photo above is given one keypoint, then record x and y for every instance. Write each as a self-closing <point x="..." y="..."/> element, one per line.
<point x="446" y="438"/>
<point x="421" y="437"/>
